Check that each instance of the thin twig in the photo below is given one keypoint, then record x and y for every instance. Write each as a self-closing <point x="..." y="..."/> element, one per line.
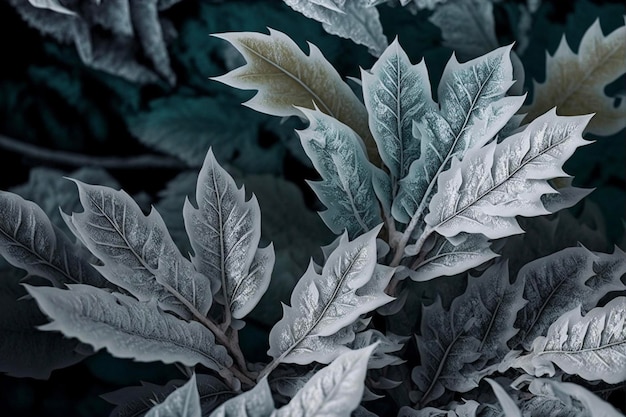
<point x="77" y="159"/>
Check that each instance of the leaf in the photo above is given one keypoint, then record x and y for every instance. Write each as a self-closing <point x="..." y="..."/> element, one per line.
<point x="346" y="188"/>
<point x="183" y="402"/>
<point x="322" y="304"/>
<point x="224" y="232"/>
<point x="285" y="78"/>
<point x="509" y="407"/>
<point x="137" y="251"/>
<point x="575" y="83"/>
<point x="334" y="391"/>
<point x="396" y="95"/>
<point x="559" y="282"/>
<point x="385" y="344"/>
<point x="257" y="402"/>
<point x="53" y="5"/>
<point x="447" y="258"/>
<point x="128" y="328"/>
<point x="29" y="241"/>
<point x="348" y="19"/>
<point x="593" y="346"/>
<point x="492" y="185"/>
<point x="467" y="27"/>
<point x="134" y="401"/>
<point x="473" y="110"/>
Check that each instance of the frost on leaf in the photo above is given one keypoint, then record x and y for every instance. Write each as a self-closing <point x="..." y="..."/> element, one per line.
<point x="347" y="19"/>
<point x="473" y="109"/>
<point x="484" y="192"/>
<point x="592" y="346"/>
<point x="183" y="402"/>
<point x="325" y="305"/>
<point x="575" y="83"/>
<point x="334" y="391"/>
<point x="257" y="402"/>
<point x="28" y="240"/>
<point x="285" y="77"/>
<point x="128" y="328"/>
<point x="347" y="188"/>
<point x="137" y="250"/>
<point x="224" y="232"/>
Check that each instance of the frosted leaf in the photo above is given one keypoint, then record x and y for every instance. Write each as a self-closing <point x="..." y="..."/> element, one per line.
<point x="396" y="94"/>
<point x="257" y="402"/>
<point x="224" y="232"/>
<point x="183" y="402"/>
<point x="324" y="303"/>
<point x="334" y="391"/>
<point x="346" y="188"/>
<point x="493" y="184"/>
<point x="28" y="240"/>
<point x="137" y="250"/>
<point x="592" y="346"/>
<point x="128" y="328"/>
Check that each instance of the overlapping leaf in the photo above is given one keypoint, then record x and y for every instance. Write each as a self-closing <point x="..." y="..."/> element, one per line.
<point x="335" y="391"/>
<point x="592" y="346"/>
<point x="285" y="77"/>
<point x="347" y="188"/>
<point x="396" y="94"/>
<point x="323" y="304"/>
<point x="183" y="402"/>
<point x="224" y="232"/>
<point x="128" y="328"/>
<point x="493" y="184"/>
<point x="559" y="282"/>
<point x="257" y="402"/>
<point x="575" y="83"/>
<point x="137" y="250"/>
<point x="28" y="240"/>
<point x="473" y="109"/>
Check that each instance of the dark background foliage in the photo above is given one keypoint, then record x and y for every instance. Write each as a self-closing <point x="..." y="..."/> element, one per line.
<point x="56" y="105"/>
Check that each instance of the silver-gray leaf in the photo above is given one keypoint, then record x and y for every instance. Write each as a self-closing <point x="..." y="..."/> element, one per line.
<point x="257" y="402"/>
<point x="183" y="402"/>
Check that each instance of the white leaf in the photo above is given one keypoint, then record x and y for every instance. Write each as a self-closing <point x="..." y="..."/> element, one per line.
<point x="53" y="5"/>
<point x="593" y="346"/>
<point x="28" y="240"/>
<point x="183" y="402"/>
<point x="493" y="184"/>
<point x="473" y="110"/>
<point x="346" y="187"/>
<point x="224" y="232"/>
<point x="467" y="26"/>
<point x="559" y="282"/>
<point x="335" y="391"/>
<point x="509" y="407"/>
<point x="128" y="328"/>
<point x="350" y="284"/>
<point x="349" y="19"/>
<point x="396" y="94"/>
<point x="257" y="402"/>
<point x="137" y="250"/>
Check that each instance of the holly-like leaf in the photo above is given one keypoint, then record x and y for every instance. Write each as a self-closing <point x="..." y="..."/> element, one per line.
<point x="575" y="83"/>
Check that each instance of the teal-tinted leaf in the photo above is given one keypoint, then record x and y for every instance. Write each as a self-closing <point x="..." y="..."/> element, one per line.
<point x="137" y="250"/>
<point x="257" y="402"/>
<point x="348" y="19"/>
<point x="224" y="232"/>
<point x="492" y="185"/>
<point x="350" y="284"/>
<point x="447" y="258"/>
<point x="559" y="282"/>
<point x="346" y="188"/>
<point x="473" y="110"/>
<point x="183" y="402"/>
<point x="467" y="27"/>
<point x="396" y="95"/>
<point x="128" y="328"/>
<point x="593" y="346"/>
<point x="29" y="241"/>
<point x="335" y="391"/>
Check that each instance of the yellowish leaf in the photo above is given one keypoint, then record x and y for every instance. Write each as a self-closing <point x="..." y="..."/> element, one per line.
<point x="286" y="77"/>
<point x="575" y="82"/>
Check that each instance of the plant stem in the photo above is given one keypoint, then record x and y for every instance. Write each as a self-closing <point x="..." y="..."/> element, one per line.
<point x="268" y="369"/>
<point x="76" y="159"/>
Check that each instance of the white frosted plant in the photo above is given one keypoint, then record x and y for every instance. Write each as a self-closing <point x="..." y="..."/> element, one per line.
<point x="417" y="190"/>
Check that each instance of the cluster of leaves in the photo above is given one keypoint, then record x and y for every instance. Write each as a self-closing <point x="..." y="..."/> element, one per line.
<point x="417" y="189"/>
